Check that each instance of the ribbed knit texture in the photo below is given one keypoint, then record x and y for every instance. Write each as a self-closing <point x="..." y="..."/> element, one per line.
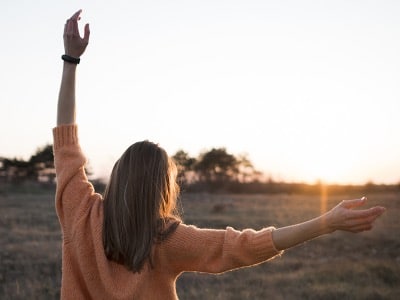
<point x="86" y="272"/>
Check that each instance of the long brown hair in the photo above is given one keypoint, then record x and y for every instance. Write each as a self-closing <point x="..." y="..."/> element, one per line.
<point x="139" y="204"/>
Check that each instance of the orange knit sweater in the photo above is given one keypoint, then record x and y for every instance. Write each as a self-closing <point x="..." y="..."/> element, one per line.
<point x="88" y="274"/>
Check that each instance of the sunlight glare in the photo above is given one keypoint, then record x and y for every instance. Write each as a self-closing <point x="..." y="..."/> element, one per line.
<point x="328" y="167"/>
<point x="324" y="198"/>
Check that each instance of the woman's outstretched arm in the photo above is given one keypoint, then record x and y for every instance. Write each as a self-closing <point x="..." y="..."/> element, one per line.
<point x="341" y="217"/>
<point x="74" y="47"/>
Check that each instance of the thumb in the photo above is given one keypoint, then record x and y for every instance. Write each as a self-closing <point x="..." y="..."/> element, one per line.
<point x="353" y="203"/>
<point x="86" y="33"/>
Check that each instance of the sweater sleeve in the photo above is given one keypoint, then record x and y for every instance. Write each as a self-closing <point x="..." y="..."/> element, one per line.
<point x="217" y="251"/>
<point x="73" y="188"/>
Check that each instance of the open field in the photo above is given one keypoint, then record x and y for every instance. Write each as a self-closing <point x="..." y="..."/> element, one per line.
<point x="340" y="266"/>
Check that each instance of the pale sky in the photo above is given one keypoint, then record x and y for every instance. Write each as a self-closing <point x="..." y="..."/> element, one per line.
<point x="308" y="89"/>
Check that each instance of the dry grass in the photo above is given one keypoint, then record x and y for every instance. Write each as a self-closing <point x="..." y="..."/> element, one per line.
<point x="30" y="252"/>
<point x="340" y="266"/>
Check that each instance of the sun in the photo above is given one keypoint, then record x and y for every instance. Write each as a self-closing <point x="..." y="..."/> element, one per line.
<point x="327" y="170"/>
<point x="327" y="167"/>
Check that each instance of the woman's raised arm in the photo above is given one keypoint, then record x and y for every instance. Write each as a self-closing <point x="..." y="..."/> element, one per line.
<point x="74" y="47"/>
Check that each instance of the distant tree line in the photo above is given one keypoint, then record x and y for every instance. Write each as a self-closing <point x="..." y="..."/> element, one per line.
<point x="214" y="170"/>
<point x="39" y="167"/>
<point x="217" y="170"/>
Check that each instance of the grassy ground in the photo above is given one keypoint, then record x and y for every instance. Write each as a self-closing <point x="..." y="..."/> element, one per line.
<point x="30" y="251"/>
<point x="340" y="266"/>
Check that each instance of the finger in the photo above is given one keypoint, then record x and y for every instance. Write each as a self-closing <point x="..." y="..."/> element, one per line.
<point x="86" y="33"/>
<point x="70" y="27"/>
<point x="360" y="228"/>
<point x="76" y="15"/>
<point x="365" y="213"/>
<point x="353" y="203"/>
<point x="75" y="28"/>
<point x="364" y="221"/>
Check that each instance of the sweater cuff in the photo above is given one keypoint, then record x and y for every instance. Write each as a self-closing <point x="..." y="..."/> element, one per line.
<point x="264" y="244"/>
<point x="65" y="135"/>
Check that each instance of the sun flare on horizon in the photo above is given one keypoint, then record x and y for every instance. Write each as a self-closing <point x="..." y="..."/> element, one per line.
<point x="328" y="166"/>
<point x="328" y="171"/>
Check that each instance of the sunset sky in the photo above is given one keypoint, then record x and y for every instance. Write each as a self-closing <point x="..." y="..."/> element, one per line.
<point x="308" y="89"/>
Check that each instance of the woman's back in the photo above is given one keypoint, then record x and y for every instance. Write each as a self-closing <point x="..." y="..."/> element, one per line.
<point x="87" y="273"/>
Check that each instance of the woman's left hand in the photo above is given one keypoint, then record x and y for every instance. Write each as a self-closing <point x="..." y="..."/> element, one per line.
<point x="345" y="217"/>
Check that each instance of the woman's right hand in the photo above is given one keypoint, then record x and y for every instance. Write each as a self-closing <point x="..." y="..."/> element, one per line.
<point x="345" y="217"/>
<point x="74" y="45"/>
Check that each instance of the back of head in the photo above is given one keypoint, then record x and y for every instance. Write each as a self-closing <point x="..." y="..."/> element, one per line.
<point x="139" y="204"/>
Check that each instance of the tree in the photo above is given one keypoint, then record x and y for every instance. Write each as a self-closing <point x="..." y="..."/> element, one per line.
<point x="42" y="164"/>
<point x="185" y="165"/>
<point x="40" y="167"/>
<point x="247" y="172"/>
<point x="14" y="170"/>
<point x="217" y="166"/>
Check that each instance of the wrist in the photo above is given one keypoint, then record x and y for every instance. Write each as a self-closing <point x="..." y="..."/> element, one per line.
<point x="70" y="59"/>
<point x="67" y="67"/>
<point x="327" y="224"/>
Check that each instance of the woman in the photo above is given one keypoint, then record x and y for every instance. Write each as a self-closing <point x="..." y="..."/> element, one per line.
<point x="131" y="244"/>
